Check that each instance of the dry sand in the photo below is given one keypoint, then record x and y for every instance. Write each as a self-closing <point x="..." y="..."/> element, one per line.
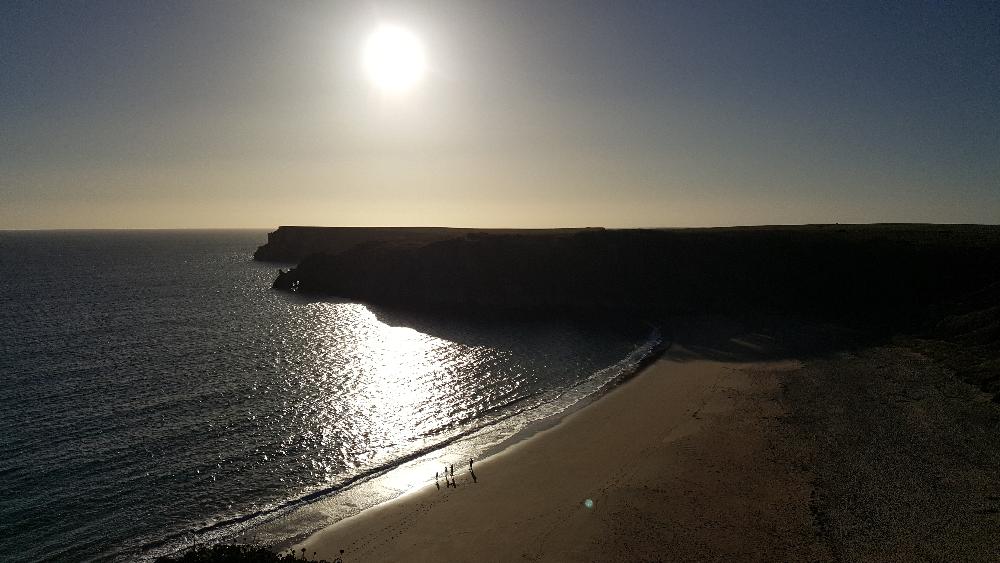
<point x="677" y="462"/>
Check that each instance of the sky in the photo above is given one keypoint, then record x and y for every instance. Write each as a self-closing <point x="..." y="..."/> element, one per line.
<point x="172" y="114"/>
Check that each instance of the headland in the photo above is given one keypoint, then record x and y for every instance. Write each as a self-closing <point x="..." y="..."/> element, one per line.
<point x="939" y="284"/>
<point x="833" y="395"/>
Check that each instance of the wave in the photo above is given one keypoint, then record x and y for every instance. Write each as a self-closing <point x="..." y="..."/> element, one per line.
<point x="546" y="408"/>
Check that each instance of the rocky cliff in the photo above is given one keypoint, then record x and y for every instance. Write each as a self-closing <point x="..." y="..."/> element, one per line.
<point x="886" y="273"/>
<point x="937" y="283"/>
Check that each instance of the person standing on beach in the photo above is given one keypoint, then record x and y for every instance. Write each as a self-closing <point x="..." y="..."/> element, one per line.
<point x="453" y="470"/>
<point x="470" y="464"/>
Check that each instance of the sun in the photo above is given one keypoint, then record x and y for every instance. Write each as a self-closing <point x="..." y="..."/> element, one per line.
<point x="393" y="59"/>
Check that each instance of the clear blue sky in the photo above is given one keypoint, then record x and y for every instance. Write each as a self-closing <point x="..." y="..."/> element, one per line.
<point x="203" y="114"/>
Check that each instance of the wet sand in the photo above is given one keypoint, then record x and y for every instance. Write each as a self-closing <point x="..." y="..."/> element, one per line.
<point x="677" y="465"/>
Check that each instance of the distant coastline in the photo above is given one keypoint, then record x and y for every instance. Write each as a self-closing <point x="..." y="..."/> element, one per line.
<point x="293" y="243"/>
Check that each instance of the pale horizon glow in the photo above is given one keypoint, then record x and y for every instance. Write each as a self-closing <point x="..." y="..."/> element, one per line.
<point x="497" y="114"/>
<point x="393" y="59"/>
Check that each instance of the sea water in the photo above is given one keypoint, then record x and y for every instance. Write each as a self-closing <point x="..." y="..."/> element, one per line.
<point x="154" y="390"/>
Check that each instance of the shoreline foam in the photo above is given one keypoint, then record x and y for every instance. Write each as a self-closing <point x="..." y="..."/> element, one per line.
<point x="632" y="444"/>
<point x="293" y="520"/>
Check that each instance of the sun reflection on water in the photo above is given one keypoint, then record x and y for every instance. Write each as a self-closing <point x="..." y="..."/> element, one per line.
<point x="372" y="408"/>
<point x="393" y="376"/>
<point x="403" y="366"/>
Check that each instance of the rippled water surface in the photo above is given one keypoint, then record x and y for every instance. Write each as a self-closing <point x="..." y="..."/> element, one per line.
<point x="152" y="383"/>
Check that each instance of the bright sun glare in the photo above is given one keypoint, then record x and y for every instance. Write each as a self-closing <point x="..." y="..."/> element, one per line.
<point x="393" y="59"/>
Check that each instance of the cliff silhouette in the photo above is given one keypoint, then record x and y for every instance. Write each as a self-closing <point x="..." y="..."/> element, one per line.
<point x="939" y="282"/>
<point x="292" y="243"/>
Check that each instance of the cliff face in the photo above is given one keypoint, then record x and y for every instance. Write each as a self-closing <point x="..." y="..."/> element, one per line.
<point x="940" y="282"/>
<point x="886" y="275"/>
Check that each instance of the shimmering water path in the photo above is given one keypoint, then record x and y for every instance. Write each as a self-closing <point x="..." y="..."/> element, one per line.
<point x="151" y="383"/>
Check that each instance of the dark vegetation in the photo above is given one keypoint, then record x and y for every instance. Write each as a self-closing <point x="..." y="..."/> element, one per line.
<point x="940" y="284"/>
<point x="237" y="554"/>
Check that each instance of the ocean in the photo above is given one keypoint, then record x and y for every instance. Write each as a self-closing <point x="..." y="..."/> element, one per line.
<point x="155" y="391"/>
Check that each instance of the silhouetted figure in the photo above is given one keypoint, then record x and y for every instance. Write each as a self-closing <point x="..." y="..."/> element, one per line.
<point x="437" y="484"/>
<point x="435" y="475"/>
<point x="453" y="470"/>
<point x="470" y="464"/>
<point x="474" y="480"/>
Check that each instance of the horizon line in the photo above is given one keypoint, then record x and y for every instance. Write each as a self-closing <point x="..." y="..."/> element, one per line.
<point x="591" y="227"/>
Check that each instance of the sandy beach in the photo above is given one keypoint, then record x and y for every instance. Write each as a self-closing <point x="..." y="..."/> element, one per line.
<point x="673" y="464"/>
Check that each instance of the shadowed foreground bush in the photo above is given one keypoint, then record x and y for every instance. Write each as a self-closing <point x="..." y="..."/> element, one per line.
<point x="236" y="554"/>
